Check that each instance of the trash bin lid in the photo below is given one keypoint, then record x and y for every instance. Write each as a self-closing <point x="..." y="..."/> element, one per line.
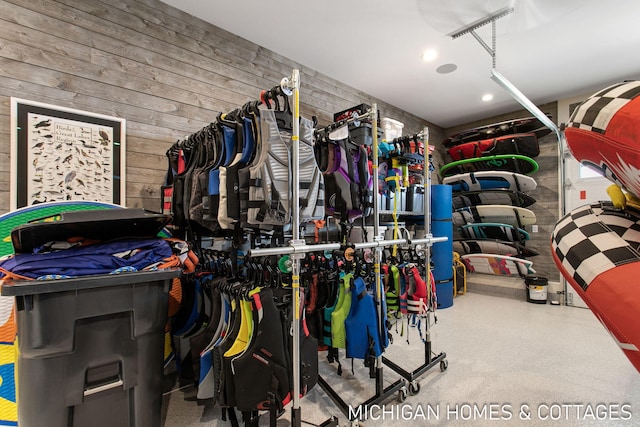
<point x="35" y="287"/>
<point x="107" y="224"/>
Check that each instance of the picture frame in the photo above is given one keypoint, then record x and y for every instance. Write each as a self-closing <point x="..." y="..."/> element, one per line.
<point x="60" y="154"/>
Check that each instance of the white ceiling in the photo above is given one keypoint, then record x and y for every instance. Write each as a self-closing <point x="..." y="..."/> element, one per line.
<point x="549" y="49"/>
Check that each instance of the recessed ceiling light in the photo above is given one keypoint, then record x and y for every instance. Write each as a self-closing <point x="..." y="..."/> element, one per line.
<point x="429" y="55"/>
<point x="446" y="68"/>
<point x="487" y="97"/>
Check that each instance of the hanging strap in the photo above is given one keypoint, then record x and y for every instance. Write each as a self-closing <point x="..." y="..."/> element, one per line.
<point x="9" y="275"/>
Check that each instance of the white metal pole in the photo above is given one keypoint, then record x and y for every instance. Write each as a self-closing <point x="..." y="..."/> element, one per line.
<point x="295" y="241"/>
<point x="427" y="227"/>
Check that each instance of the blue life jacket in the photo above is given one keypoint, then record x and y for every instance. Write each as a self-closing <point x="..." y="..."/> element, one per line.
<point x="363" y="337"/>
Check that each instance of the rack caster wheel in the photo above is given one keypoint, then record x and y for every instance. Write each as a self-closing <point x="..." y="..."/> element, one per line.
<point x="444" y="364"/>
<point x="402" y="394"/>
<point x="414" y="388"/>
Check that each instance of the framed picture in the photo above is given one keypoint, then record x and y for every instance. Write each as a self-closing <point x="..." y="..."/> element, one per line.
<point x="62" y="154"/>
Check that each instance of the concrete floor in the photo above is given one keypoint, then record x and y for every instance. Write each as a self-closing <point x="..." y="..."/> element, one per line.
<point x="556" y="363"/>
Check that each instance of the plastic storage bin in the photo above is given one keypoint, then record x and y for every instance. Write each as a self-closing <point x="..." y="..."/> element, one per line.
<point x="392" y="128"/>
<point x="415" y="198"/>
<point x="350" y="112"/>
<point x="91" y="349"/>
<point x="363" y="134"/>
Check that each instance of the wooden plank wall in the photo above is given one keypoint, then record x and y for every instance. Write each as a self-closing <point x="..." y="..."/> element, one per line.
<point x="546" y="207"/>
<point x="167" y="73"/>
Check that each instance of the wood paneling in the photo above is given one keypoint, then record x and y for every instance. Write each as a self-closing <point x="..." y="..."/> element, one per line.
<point x="167" y="73"/>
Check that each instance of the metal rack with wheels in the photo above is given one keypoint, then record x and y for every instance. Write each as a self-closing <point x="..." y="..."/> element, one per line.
<point x="427" y="241"/>
<point x="296" y="249"/>
<point x="382" y="393"/>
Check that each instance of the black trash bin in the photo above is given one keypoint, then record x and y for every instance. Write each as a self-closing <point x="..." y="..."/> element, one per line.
<point x="91" y="349"/>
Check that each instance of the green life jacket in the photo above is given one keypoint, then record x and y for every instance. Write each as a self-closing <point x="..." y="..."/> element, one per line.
<point x="340" y="313"/>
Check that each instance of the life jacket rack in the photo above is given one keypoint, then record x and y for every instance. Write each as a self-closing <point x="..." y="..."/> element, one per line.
<point x="430" y="360"/>
<point x="297" y="247"/>
<point x="198" y="172"/>
<point x="296" y="251"/>
<point x="378" y="243"/>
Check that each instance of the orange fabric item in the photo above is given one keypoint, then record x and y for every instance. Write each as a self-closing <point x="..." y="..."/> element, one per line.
<point x="175" y="297"/>
<point x="9" y="330"/>
<point x="319" y="223"/>
<point x="610" y="299"/>
<point x="13" y="276"/>
<point x="189" y="262"/>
